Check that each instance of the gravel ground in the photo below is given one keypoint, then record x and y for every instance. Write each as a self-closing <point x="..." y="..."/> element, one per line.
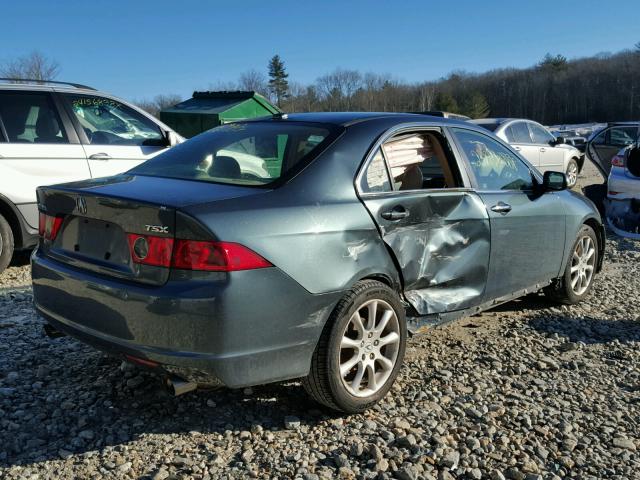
<point x="526" y="391"/>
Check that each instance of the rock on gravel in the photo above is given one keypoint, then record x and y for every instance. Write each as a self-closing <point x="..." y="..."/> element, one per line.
<point x="527" y="391"/>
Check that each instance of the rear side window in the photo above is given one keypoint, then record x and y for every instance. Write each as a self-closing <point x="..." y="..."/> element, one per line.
<point x="375" y="178"/>
<point x="31" y="118"/>
<point x="520" y="133"/>
<point x="108" y="122"/>
<point x="252" y="153"/>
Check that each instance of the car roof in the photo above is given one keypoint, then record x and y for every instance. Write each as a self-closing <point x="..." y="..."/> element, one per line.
<point x="499" y="120"/>
<point x="346" y="119"/>
<point x="628" y="122"/>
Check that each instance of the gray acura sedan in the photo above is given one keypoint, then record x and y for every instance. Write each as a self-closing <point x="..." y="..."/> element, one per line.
<point x="306" y="246"/>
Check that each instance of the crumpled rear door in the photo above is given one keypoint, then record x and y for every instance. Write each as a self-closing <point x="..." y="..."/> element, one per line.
<point x="441" y="244"/>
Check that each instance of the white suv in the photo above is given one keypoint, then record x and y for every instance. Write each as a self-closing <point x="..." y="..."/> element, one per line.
<point x="537" y="145"/>
<point x="54" y="132"/>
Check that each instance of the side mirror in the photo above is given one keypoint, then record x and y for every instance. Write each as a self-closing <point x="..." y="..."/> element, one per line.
<point x="557" y="141"/>
<point x="554" y="181"/>
<point x="172" y="138"/>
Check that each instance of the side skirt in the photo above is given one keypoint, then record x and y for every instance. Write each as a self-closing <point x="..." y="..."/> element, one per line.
<point x="421" y="324"/>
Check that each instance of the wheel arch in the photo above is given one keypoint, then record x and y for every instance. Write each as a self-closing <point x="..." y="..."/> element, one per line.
<point x="598" y="228"/>
<point x="10" y="212"/>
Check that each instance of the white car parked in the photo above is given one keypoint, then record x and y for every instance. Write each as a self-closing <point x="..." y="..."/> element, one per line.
<point x="537" y="145"/>
<point x="622" y="206"/>
<point x="55" y="132"/>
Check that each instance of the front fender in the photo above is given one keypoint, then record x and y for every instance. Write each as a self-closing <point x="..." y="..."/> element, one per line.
<point x="581" y="211"/>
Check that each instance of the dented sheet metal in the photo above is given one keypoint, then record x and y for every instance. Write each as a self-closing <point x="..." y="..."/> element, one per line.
<point x="623" y="217"/>
<point x="442" y="248"/>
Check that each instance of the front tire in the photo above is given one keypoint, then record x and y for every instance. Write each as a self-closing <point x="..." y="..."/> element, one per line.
<point x="6" y="244"/>
<point x="361" y="349"/>
<point x="577" y="281"/>
<point x="572" y="173"/>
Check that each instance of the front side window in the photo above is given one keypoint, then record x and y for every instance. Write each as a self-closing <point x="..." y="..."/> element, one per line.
<point x="31" y="118"/>
<point x="494" y="166"/>
<point x="539" y="135"/>
<point x="252" y="153"/>
<point x="520" y="133"/>
<point x="109" y="122"/>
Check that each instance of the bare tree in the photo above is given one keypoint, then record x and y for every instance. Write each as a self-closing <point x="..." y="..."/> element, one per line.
<point x="253" y="80"/>
<point x="33" y="66"/>
<point x="427" y="95"/>
<point x="158" y="103"/>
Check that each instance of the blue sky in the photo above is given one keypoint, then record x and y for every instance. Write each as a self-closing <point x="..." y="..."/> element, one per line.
<point x="137" y="49"/>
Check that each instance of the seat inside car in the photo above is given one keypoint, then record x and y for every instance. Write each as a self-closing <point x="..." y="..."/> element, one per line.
<point x="418" y="161"/>
<point x="441" y="157"/>
<point x="47" y="128"/>
<point x="225" y="167"/>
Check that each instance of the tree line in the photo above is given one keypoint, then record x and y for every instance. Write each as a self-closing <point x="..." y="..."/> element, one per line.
<point x="600" y="88"/>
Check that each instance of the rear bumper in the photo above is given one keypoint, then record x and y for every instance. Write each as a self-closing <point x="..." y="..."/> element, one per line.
<point x="624" y="186"/>
<point x="244" y="328"/>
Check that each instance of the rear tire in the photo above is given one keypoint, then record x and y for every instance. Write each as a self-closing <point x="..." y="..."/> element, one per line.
<point x="572" y="173"/>
<point x="577" y="281"/>
<point x="6" y="244"/>
<point x="356" y="361"/>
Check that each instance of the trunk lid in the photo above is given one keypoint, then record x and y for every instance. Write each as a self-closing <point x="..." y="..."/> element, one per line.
<point x="99" y="215"/>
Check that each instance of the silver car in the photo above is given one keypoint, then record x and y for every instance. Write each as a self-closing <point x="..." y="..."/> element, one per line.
<point x="537" y="145"/>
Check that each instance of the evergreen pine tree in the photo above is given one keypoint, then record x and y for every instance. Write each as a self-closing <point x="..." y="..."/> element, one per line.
<point x="278" y="84"/>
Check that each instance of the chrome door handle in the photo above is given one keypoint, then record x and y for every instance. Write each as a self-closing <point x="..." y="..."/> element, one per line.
<point x="501" y="207"/>
<point x="397" y="213"/>
<point x="517" y="148"/>
<point x="100" y="156"/>
<point x="543" y="149"/>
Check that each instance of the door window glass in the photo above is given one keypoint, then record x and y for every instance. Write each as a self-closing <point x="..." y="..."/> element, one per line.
<point x="109" y="122"/>
<point x="540" y="135"/>
<point x="520" y="133"/>
<point x="494" y="166"/>
<point x="622" y="136"/>
<point x="418" y="160"/>
<point x="508" y="132"/>
<point x="375" y="177"/>
<point x="31" y="118"/>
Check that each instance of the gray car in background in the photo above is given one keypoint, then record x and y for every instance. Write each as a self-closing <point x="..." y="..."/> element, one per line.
<point x="354" y="229"/>
<point x="535" y="143"/>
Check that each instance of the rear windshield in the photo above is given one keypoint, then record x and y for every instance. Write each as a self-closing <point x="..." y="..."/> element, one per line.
<point x="489" y="126"/>
<point x="251" y="153"/>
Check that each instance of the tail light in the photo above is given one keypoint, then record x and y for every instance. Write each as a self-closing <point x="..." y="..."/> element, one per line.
<point x="215" y="256"/>
<point x="617" y="161"/>
<point x="49" y="226"/>
<point x="150" y="250"/>
<point x="193" y="254"/>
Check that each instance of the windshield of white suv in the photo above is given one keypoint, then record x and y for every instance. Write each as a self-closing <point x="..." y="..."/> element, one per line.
<point x="251" y="153"/>
<point x="106" y="121"/>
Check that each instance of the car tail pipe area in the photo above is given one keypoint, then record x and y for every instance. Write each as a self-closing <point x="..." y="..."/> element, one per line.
<point x="52" y="332"/>
<point x="178" y="386"/>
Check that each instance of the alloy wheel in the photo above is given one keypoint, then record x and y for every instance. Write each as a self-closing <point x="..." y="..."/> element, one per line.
<point x="369" y="348"/>
<point x="582" y="265"/>
<point x="572" y="174"/>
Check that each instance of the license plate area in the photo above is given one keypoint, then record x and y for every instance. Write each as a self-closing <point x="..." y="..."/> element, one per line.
<point x="92" y="239"/>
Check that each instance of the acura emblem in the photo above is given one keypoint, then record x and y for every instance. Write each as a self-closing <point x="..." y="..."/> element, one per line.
<point x="81" y="205"/>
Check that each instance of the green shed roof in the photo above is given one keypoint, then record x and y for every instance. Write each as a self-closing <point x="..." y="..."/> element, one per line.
<point x="219" y="102"/>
